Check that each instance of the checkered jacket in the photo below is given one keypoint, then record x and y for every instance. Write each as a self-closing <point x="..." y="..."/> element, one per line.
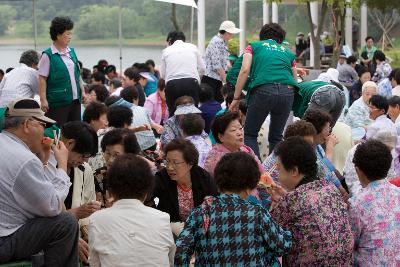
<point x="229" y="231"/>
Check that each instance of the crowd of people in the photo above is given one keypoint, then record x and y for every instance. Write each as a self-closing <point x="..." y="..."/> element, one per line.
<point x="211" y="161"/>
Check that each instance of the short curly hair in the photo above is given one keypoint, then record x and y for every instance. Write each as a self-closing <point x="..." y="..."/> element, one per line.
<point x="299" y="128"/>
<point x="188" y="150"/>
<point x="118" y="116"/>
<point x="93" y="111"/>
<point x="374" y="159"/>
<point x="272" y="31"/>
<point x="297" y="152"/>
<point x="59" y="25"/>
<point x="101" y="92"/>
<point x="318" y="118"/>
<point x="222" y="122"/>
<point x="122" y="136"/>
<point x="236" y="172"/>
<point x="192" y="124"/>
<point x="130" y="176"/>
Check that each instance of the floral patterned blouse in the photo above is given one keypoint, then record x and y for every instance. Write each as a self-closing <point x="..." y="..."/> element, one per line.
<point x="316" y="215"/>
<point x="375" y="218"/>
<point x="185" y="201"/>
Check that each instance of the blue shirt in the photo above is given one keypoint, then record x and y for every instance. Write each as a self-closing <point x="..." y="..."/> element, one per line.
<point x="151" y="86"/>
<point x="208" y="112"/>
<point x="229" y="231"/>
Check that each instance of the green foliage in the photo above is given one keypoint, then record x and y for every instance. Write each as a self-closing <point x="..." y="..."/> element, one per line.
<point x="101" y="22"/>
<point x="383" y="5"/>
<point x="7" y="13"/>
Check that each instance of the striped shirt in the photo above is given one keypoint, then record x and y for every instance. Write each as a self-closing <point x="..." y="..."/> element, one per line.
<point x="21" y="82"/>
<point x="146" y="139"/>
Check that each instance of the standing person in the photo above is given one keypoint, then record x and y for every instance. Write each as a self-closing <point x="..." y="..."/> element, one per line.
<point x="156" y="104"/>
<point x="216" y="58"/>
<point x="181" y="68"/>
<point x="21" y="82"/>
<point x="273" y="71"/>
<point x="31" y="202"/>
<point x="60" y="84"/>
<point x="374" y="212"/>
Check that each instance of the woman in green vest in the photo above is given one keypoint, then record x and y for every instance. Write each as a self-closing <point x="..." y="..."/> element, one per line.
<point x="60" y="84"/>
<point x="272" y="71"/>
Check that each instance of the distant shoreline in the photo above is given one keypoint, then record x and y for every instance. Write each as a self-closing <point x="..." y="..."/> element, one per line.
<point x="105" y="42"/>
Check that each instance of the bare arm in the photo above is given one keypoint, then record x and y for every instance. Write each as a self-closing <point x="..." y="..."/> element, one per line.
<point x="242" y="79"/>
<point x="42" y="93"/>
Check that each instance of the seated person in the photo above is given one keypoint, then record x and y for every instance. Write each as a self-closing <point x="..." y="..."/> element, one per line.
<point x="208" y="106"/>
<point x="130" y="233"/>
<point x="394" y="111"/>
<point x="115" y="87"/>
<point x="227" y="230"/>
<point x="156" y="104"/>
<point x="146" y="139"/>
<point x="228" y="132"/>
<point x="347" y="72"/>
<point x="97" y="92"/>
<point x="358" y="114"/>
<point x="81" y="141"/>
<point x="192" y="126"/>
<point x="394" y="78"/>
<point x="378" y="107"/>
<point x="300" y="128"/>
<point x="353" y="183"/>
<point x="95" y="115"/>
<point x="172" y="130"/>
<point x="356" y="90"/>
<point x="31" y="202"/>
<point x="374" y="212"/>
<point x="312" y="209"/>
<point x="321" y="121"/>
<point x="182" y="185"/>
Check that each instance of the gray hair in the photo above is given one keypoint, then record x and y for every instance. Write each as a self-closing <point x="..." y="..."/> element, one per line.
<point x="369" y="84"/>
<point x="13" y="122"/>
<point x="389" y="138"/>
<point x="29" y="58"/>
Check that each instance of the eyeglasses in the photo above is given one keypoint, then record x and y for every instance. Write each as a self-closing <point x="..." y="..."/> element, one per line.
<point x="173" y="164"/>
<point x="40" y="122"/>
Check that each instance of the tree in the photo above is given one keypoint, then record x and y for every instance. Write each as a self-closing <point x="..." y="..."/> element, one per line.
<point x="7" y="14"/>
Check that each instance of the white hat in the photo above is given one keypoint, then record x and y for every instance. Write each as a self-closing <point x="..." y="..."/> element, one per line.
<point x="229" y="26"/>
<point x="147" y="76"/>
<point x="330" y="75"/>
<point x="186" y="109"/>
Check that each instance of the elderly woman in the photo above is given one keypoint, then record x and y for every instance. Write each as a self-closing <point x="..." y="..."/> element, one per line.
<point x="358" y="114"/>
<point x="228" y="133"/>
<point x="129" y="233"/>
<point x="374" y="212"/>
<point x="182" y="185"/>
<point x="60" y="84"/>
<point x="228" y="230"/>
<point x="389" y="138"/>
<point x="300" y="128"/>
<point x="322" y="123"/>
<point x="313" y="210"/>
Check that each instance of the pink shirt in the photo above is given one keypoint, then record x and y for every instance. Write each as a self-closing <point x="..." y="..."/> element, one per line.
<point x="219" y="150"/>
<point x="153" y="105"/>
<point x="44" y="67"/>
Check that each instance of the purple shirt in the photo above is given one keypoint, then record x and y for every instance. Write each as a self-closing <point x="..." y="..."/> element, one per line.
<point x="44" y="67"/>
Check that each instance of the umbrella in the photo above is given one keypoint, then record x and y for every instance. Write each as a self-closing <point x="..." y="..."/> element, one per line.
<point x="180" y="2"/>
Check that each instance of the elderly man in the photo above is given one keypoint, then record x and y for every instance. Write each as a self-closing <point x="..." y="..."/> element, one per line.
<point x="31" y="202"/>
<point x="22" y="81"/>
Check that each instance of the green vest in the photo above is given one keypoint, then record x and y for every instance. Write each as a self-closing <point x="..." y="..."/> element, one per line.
<point x="303" y="94"/>
<point x="271" y="63"/>
<point x="233" y="73"/>
<point x="59" y="89"/>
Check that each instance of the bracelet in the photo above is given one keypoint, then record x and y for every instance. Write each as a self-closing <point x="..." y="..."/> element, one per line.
<point x="236" y="98"/>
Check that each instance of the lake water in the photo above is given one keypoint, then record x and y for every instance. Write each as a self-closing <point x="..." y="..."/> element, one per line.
<point x="89" y="55"/>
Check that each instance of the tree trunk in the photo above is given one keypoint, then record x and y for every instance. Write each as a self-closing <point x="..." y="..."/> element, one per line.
<point x="315" y="38"/>
<point x="338" y="25"/>
<point x="174" y="20"/>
